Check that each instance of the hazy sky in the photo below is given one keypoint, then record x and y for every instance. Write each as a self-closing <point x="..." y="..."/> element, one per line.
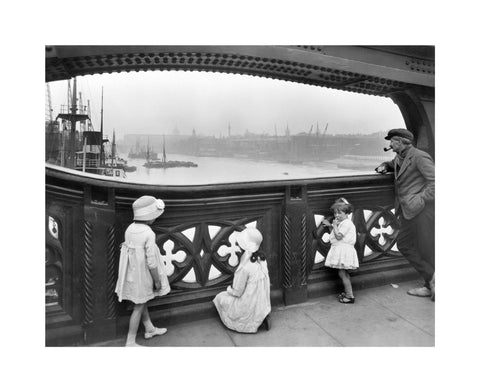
<point x="157" y="102"/>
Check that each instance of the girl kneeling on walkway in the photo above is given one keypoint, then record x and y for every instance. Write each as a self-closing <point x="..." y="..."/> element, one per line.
<point x="246" y="304"/>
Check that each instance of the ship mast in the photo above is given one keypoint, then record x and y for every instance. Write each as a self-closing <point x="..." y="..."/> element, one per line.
<point x="164" y="155"/>
<point x="148" y="149"/>
<point x="102" y="151"/>
<point x="114" y="147"/>
<point x="73" y="122"/>
<point x="89" y="113"/>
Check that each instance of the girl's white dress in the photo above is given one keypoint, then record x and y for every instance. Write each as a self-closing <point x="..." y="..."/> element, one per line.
<point x="139" y="253"/>
<point x="246" y="303"/>
<point x="342" y="254"/>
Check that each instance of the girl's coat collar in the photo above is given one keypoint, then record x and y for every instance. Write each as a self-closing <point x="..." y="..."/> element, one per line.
<point x="138" y="227"/>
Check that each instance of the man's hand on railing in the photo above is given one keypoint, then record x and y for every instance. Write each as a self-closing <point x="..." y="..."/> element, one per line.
<point x="381" y="169"/>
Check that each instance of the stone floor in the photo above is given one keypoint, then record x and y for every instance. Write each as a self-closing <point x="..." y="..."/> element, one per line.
<point x="381" y="317"/>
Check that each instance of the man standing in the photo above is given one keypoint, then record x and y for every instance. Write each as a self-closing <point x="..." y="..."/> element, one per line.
<point x="414" y="205"/>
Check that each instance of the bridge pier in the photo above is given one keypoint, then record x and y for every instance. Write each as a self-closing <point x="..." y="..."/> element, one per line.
<point x="418" y="110"/>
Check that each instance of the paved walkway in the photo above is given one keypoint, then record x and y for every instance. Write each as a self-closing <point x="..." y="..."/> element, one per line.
<point x="381" y="316"/>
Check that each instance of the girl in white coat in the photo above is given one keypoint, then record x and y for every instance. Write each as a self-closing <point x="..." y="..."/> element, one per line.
<point x="246" y="303"/>
<point x="141" y="273"/>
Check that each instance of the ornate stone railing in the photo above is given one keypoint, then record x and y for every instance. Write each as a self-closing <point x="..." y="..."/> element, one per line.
<point x="86" y="218"/>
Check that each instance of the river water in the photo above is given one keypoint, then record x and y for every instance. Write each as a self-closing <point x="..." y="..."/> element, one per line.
<point x="216" y="170"/>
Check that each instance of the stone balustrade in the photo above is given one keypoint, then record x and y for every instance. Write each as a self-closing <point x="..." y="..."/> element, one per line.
<point x="86" y="218"/>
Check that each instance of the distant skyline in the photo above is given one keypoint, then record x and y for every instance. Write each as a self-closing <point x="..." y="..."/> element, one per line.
<point x="160" y="102"/>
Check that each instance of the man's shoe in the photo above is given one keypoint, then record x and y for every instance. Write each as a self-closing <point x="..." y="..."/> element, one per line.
<point x="155" y="332"/>
<point x="420" y="292"/>
<point x="432" y="287"/>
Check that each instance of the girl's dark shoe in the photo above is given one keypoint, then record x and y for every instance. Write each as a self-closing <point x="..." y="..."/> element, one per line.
<point x="346" y="300"/>
<point x="267" y="323"/>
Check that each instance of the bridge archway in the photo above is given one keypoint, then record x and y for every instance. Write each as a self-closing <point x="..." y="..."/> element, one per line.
<point x="406" y="74"/>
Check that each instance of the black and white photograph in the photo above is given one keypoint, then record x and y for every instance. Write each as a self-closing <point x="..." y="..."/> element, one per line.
<point x="274" y="195"/>
<point x="224" y="186"/>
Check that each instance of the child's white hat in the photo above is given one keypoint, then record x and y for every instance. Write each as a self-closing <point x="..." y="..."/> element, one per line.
<point x="250" y="239"/>
<point x="146" y="208"/>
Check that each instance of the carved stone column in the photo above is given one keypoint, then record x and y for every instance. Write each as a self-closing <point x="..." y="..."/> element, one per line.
<point x="294" y="246"/>
<point x="99" y="265"/>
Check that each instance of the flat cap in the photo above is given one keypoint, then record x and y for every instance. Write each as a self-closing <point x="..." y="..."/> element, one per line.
<point x="399" y="132"/>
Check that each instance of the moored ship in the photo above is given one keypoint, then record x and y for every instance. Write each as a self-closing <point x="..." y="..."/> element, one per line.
<point x="83" y="150"/>
<point x="163" y="163"/>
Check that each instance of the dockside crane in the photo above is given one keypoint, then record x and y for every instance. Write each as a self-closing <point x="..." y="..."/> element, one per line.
<point x="52" y="141"/>
<point x="48" y="108"/>
<point x="325" y="131"/>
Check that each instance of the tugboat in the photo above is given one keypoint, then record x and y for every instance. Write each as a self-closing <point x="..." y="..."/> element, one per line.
<point x="114" y="161"/>
<point x="91" y="157"/>
<point x="163" y="163"/>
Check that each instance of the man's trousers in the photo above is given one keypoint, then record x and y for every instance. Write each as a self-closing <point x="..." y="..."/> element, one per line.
<point x="416" y="242"/>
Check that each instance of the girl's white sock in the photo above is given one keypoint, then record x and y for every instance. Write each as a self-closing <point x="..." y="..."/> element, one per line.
<point x="149" y="327"/>
<point x="131" y="339"/>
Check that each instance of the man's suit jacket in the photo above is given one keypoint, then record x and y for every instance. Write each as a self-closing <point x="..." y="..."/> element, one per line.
<point x="414" y="182"/>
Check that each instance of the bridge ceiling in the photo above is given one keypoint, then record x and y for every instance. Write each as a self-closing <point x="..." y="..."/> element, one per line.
<point x="375" y="70"/>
